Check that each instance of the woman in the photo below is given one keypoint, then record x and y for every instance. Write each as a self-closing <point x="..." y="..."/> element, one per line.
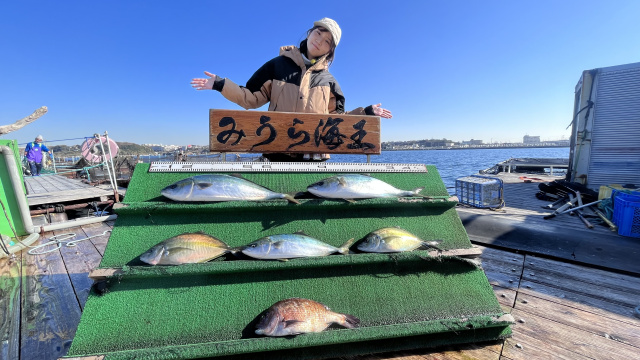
<point x="298" y="80"/>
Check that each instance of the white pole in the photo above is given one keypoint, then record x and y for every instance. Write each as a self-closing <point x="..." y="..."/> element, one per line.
<point x="53" y="160"/>
<point x="115" y="180"/>
<point x="104" y="161"/>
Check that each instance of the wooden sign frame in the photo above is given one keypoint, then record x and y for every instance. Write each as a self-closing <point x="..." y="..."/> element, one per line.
<point x="284" y="132"/>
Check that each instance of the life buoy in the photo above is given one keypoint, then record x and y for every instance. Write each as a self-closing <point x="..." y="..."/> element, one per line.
<point x="530" y="179"/>
<point x="91" y="149"/>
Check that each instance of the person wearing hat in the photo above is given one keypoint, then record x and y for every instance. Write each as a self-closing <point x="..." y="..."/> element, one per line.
<point x="33" y="153"/>
<point x="298" y="70"/>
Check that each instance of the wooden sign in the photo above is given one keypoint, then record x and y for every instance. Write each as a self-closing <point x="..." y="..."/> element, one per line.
<point x="277" y="132"/>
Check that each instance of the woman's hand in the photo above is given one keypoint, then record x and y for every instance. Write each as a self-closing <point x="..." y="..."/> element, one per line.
<point x="204" y="84"/>
<point x="381" y="111"/>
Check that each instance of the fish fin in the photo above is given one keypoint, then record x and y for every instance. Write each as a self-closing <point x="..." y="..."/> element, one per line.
<point x="283" y="260"/>
<point x="203" y="185"/>
<point x="366" y="174"/>
<point x="344" y="249"/>
<point x="342" y="181"/>
<point x="351" y="201"/>
<point x="291" y="199"/>
<point x="350" y="321"/>
<point x="278" y="244"/>
<point x="238" y="175"/>
<point x="288" y="323"/>
<point x="301" y="232"/>
<point x="213" y="257"/>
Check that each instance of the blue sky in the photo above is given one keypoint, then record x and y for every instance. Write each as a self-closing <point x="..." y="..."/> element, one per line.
<point x="490" y="70"/>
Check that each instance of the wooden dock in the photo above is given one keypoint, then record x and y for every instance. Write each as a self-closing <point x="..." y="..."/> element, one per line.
<point x="563" y="309"/>
<point x="54" y="189"/>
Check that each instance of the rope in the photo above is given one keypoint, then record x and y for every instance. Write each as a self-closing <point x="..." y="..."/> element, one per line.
<point x="81" y="138"/>
<point x="58" y="240"/>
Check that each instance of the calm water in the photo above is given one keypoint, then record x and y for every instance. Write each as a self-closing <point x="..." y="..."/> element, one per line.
<point x="452" y="164"/>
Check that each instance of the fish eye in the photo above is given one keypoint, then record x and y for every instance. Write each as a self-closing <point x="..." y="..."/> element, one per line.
<point x="172" y="186"/>
<point x="253" y="245"/>
<point x="320" y="183"/>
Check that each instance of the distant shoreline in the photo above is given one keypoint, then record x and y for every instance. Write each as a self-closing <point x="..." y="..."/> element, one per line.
<point x="479" y="147"/>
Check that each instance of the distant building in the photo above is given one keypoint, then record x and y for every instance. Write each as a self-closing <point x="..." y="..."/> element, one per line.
<point x="531" y="139"/>
<point x="472" y="142"/>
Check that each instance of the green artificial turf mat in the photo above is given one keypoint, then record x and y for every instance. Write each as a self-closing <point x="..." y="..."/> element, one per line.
<point x="404" y="301"/>
<point x="407" y="295"/>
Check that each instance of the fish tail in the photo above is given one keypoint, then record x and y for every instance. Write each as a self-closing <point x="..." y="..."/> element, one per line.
<point x="344" y="249"/>
<point x="291" y="199"/>
<point x="416" y="192"/>
<point x="350" y="321"/>
<point x="433" y="244"/>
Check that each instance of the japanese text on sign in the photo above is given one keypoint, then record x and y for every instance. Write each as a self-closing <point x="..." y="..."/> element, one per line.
<point x="256" y="131"/>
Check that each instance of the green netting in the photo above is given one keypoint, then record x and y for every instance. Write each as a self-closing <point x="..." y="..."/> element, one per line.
<point x="209" y="310"/>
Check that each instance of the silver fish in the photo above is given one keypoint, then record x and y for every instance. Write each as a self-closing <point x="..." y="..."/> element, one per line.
<point x="289" y="246"/>
<point x="220" y="187"/>
<point x="358" y="186"/>
<point x="185" y="248"/>
<point x="393" y="239"/>
<point x="298" y="316"/>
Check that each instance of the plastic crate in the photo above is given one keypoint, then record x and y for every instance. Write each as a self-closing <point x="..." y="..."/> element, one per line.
<point x="480" y="191"/>
<point x="626" y="213"/>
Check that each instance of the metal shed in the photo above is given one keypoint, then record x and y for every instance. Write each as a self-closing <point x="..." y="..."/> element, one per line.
<point x="605" y="137"/>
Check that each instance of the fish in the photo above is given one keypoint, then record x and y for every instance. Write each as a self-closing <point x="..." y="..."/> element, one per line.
<point x="358" y="186"/>
<point x="299" y="316"/>
<point x="220" y="187"/>
<point x="187" y="248"/>
<point x="392" y="240"/>
<point x="289" y="246"/>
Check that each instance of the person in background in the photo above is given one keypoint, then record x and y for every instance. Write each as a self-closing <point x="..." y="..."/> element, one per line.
<point x="298" y="80"/>
<point x="33" y="153"/>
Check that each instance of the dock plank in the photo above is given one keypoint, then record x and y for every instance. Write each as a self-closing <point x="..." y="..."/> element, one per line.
<point x="50" y="310"/>
<point x="603" y="308"/>
<point x="596" y="283"/>
<point x="586" y="321"/>
<point x="506" y="297"/>
<point x="10" y="299"/>
<point x="502" y="268"/>
<point x="99" y="241"/>
<point x="525" y="347"/>
<point x="560" y="338"/>
<point x="79" y="260"/>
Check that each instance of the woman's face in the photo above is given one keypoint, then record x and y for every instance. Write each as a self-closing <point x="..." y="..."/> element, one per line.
<point x="318" y="43"/>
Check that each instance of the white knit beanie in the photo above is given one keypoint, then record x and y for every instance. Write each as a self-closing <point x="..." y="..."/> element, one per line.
<point x="332" y="26"/>
<point x="39" y="137"/>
